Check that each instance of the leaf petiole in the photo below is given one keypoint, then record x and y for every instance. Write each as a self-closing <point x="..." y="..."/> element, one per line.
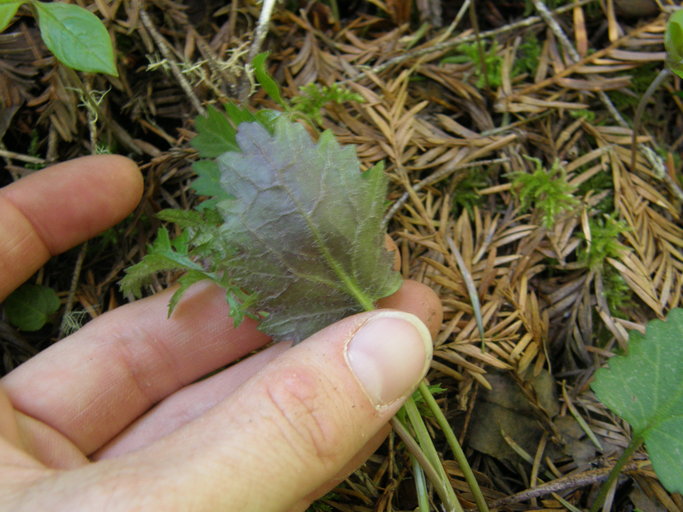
<point x="615" y="472"/>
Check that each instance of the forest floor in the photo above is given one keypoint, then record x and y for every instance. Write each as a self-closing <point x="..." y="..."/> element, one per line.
<point x="506" y="132"/>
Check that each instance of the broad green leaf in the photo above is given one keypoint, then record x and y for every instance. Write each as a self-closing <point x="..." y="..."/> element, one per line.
<point x="76" y="37"/>
<point x="645" y="388"/>
<point x="265" y="80"/>
<point x="7" y="12"/>
<point x="30" y="307"/>
<point x="306" y="227"/>
<point x="673" y="42"/>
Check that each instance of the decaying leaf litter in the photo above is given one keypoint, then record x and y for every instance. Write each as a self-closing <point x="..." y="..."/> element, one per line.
<point x="535" y="302"/>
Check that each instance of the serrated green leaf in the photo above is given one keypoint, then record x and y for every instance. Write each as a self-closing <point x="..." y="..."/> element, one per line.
<point x="215" y="134"/>
<point x="7" y="12"/>
<point x="306" y="225"/>
<point x="76" y="37"/>
<point x="30" y="307"/>
<point x="183" y="218"/>
<point x="673" y="42"/>
<point x="208" y="183"/>
<point x="162" y="255"/>
<point x="645" y="388"/>
<point x="265" y="80"/>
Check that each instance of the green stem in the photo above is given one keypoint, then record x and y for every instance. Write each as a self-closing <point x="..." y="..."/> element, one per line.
<point x="420" y="486"/>
<point x="427" y="467"/>
<point x="663" y="75"/>
<point x="427" y="445"/>
<point x="455" y="447"/>
<point x="616" y="470"/>
<point x="424" y="451"/>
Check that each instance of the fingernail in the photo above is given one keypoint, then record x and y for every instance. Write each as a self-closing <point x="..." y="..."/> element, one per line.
<point x="389" y="355"/>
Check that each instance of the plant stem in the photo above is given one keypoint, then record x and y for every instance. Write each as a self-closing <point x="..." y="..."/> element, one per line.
<point x="427" y="467"/>
<point x="455" y="447"/>
<point x="616" y="470"/>
<point x="424" y="452"/>
<point x="420" y="486"/>
<point x="654" y="85"/>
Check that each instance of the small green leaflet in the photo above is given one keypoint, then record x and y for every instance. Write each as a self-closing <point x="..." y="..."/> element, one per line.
<point x="673" y="42"/>
<point x="645" y="388"/>
<point x="7" y="12"/>
<point x="30" y="307"/>
<point x="306" y="227"/>
<point x="76" y="37"/>
<point x="265" y="80"/>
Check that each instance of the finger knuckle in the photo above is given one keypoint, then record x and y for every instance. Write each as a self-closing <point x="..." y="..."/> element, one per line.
<point x="307" y="419"/>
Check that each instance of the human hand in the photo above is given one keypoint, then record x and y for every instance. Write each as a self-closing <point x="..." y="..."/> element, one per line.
<point x="114" y="416"/>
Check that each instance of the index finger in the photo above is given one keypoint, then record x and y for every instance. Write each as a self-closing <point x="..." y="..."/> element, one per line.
<point x="56" y="208"/>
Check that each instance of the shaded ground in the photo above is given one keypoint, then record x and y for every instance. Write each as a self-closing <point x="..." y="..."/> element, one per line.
<point x="470" y="133"/>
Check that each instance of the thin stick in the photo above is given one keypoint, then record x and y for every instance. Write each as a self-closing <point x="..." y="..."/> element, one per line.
<point x="70" y="299"/>
<point x="561" y="484"/>
<point x="22" y="158"/>
<point x="574" y="55"/>
<point x="447" y="45"/>
<point x="432" y="178"/>
<point x="259" y="36"/>
<point x="175" y="70"/>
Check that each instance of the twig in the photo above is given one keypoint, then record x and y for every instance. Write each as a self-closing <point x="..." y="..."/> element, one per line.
<point x="64" y="325"/>
<point x="575" y="57"/>
<point x="175" y="70"/>
<point x="653" y="159"/>
<point x="22" y="158"/>
<point x="446" y="45"/>
<point x="561" y="484"/>
<point x="259" y="36"/>
<point x="433" y="178"/>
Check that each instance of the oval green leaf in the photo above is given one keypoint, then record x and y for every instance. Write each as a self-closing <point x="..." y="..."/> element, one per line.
<point x="76" y="37"/>
<point x="7" y="12"/>
<point x="265" y="80"/>
<point x="673" y="42"/>
<point x="30" y="307"/>
<point x="645" y="388"/>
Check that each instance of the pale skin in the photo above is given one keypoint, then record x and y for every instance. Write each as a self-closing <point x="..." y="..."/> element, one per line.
<point x="113" y="418"/>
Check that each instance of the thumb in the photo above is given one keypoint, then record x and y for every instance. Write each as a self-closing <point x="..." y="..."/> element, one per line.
<point x="296" y="423"/>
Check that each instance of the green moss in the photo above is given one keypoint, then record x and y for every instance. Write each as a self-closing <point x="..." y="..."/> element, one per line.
<point x="604" y="243"/>
<point x="488" y="74"/>
<point x="528" y="54"/>
<point x="544" y="190"/>
<point x="466" y="195"/>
